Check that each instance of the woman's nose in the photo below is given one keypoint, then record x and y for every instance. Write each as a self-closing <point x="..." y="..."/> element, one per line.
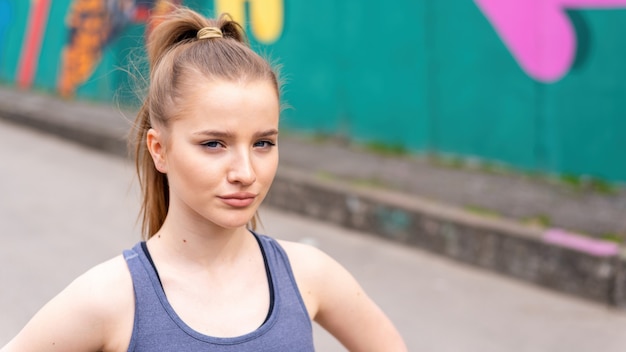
<point x="241" y="170"/>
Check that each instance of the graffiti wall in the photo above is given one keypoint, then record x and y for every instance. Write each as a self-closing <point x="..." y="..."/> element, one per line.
<point x="539" y="85"/>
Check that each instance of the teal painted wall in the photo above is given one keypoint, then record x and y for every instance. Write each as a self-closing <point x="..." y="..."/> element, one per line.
<point x="12" y="20"/>
<point x="429" y="76"/>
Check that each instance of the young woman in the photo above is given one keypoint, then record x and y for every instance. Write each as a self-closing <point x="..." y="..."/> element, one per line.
<point x="207" y="153"/>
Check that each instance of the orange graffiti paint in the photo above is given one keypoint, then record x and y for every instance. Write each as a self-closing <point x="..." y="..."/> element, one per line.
<point x="160" y="9"/>
<point x="89" y="25"/>
<point x="93" y="24"/>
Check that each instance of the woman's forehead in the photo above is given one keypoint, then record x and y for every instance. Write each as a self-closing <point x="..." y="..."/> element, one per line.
<point x="221" y="94"/>
<point x="230" y="106"/>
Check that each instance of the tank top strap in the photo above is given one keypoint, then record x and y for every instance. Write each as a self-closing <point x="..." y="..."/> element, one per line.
<point x="286" y="289"/>
<point x="150" y="315"/>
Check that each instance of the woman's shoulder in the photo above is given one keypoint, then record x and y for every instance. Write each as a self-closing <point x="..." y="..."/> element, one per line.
<point x="106" y="292"/>
<point x="107" y="280"/>
<point x="106" y="289"/>
<point x="97" y="311"/>
<point x="302" y="257"/>
<point x="305" y="256"/>
<point x="313" y="264"/>
<point x="312" y="267"/>
<point x="308" y="266"/>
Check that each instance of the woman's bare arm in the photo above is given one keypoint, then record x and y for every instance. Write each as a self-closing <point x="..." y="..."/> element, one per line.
<point x="91" y="314"/>
<point x="337" y="302"/>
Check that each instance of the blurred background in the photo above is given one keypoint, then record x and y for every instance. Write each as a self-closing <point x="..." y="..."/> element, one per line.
<point x="529" y="85"/>
<point x="489" y="132"/>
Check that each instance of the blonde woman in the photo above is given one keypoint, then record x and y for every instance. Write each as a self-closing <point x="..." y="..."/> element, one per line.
<point x="207" y="152"/>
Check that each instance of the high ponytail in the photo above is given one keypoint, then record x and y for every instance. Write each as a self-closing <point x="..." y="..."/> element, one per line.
<point x="181" y="27"/>
<point x="177" y="27"/>
<point x="176" y="56"/>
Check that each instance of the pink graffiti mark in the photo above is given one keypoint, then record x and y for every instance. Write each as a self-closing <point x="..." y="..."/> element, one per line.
<point x="32" y="42"/>
<point x="581" y="243"/>
<point x="538" y="33"/>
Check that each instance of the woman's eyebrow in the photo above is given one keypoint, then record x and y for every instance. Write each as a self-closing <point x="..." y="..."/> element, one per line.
<point x="213" y="133"/>
<point x="225" y="134"/>
<point x="269" y="133"/>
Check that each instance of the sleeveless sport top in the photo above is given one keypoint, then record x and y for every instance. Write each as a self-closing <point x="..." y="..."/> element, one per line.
<point x="157" y="327"/>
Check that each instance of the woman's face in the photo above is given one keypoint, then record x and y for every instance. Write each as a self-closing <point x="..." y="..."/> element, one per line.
<point x="221" y="153"/>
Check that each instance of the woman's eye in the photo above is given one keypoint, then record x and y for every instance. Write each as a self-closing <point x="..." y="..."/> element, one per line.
<point x="264" y="144"/>
<point x="212" y="144"/>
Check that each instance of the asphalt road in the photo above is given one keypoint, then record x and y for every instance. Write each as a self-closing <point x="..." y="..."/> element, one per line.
<point x="64" y="208"/>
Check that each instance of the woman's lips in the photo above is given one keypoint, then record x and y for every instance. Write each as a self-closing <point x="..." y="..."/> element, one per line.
<point x="238" y="200"/>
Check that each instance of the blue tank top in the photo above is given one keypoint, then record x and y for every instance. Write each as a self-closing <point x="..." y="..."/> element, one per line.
<point x="158" y="328"/>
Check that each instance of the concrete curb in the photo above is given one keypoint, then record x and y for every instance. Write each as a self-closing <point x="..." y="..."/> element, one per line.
<point x="95" y="126"/>
<point x="576" y="265"/>
<point x="570" y="263"/>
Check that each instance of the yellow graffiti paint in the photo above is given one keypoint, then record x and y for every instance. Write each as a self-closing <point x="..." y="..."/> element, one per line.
<point x="266" y="16"/>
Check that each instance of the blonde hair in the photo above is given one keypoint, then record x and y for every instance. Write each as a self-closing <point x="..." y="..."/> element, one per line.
<point x="177" y="57"/>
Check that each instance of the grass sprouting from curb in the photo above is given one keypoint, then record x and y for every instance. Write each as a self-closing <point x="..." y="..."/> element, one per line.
<point x="385" y="149"/>
<point x="582" y="183"/>
<point x="540" y="220"/>
<point x="614" y="237"/>
<point x="479" y="210"/>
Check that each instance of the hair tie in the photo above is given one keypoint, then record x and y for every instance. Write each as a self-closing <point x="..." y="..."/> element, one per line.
<point x="209" y="32"/>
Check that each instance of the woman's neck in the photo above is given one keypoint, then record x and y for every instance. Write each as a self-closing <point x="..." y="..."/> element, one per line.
<point x="198" y="242"/>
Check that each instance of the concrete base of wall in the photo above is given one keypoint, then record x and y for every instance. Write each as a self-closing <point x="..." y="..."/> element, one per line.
<point x="580" y="266"/>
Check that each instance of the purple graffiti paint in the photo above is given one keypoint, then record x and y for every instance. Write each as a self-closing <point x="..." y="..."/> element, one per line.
<point x="581" y="243"/>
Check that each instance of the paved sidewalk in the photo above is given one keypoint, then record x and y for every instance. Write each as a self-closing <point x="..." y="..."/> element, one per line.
<point x="364" y="190"/>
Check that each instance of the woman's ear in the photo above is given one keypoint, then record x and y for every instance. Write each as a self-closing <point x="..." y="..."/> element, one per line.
<point x="156" y="145"/>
